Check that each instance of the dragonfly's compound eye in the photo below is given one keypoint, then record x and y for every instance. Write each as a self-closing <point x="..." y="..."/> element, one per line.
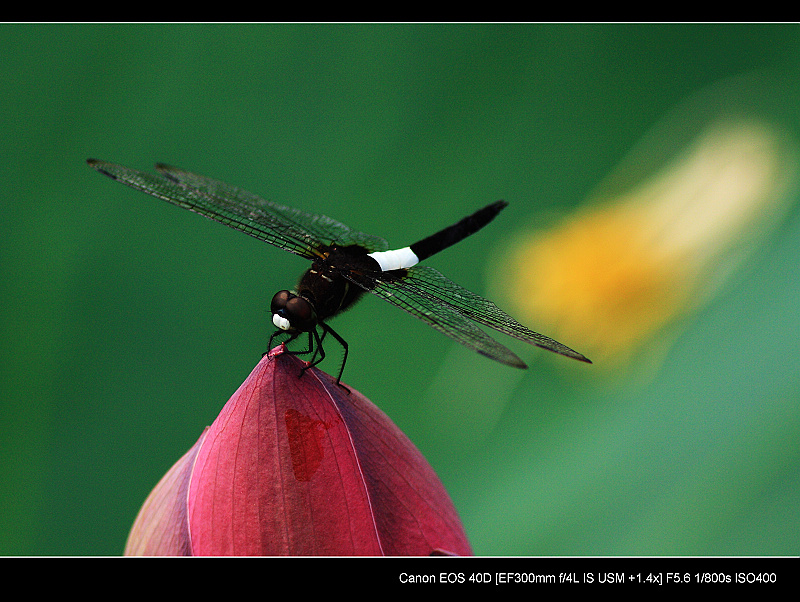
<point x="280" y="300"/>
<point x="301" y="314"/>
<point x="290" y="312"/>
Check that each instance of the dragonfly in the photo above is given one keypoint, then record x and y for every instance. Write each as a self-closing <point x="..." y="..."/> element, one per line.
<point x="345" y="265"/>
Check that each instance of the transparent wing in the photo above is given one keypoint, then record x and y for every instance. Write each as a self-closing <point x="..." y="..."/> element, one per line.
<point x="284" y="227"/>
<point x="445" y="319"/>
<point x="448" y="307"/>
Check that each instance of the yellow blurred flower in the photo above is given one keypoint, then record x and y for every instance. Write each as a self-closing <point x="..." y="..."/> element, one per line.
<point x="613" y="276"/>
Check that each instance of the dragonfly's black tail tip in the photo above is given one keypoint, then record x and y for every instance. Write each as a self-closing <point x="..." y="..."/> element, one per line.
<point x="495" y="208"/>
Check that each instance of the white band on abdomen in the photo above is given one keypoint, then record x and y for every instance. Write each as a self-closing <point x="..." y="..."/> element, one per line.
<point x="395" y="260"/>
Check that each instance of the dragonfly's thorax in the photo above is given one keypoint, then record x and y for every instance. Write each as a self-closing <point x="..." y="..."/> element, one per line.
<point x="325" y="287"/>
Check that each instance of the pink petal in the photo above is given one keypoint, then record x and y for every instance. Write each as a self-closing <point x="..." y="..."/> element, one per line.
<point x="297" y="466"/>
<point x="161" y="528"/>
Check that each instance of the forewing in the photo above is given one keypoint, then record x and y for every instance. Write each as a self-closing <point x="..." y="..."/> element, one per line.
<point x="290" y="229"/>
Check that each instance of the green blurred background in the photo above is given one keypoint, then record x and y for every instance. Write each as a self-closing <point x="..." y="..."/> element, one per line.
<point x="127" y="323"/>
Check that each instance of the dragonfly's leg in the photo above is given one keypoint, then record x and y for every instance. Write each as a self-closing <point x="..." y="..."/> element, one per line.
<point x="318" y="353"/>
<point x="278" y="333"/>
<point x="343" y="343"/>
<point x="319" y="350"/>
<point x="319" y="345"/>
<point x="275" y="335"/>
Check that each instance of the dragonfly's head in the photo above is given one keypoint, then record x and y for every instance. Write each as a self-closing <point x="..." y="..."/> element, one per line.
<point x="292" y="313"/>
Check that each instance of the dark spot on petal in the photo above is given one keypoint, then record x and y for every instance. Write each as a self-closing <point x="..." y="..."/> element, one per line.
<point x="305" y="443"/>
